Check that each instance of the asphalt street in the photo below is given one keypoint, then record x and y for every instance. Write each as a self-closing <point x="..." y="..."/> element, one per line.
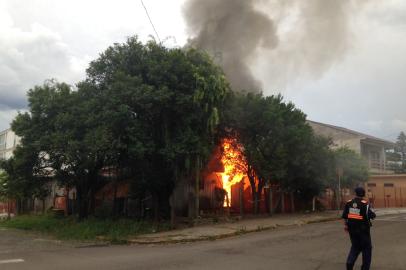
<point x="313" y="246"/>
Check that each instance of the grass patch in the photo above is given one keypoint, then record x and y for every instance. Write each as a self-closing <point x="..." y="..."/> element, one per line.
<point x="114" y="231"/>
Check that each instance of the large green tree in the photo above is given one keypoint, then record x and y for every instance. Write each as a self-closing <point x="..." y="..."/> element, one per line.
<point x="62" y="140"/>
<point x="149" y="112"/>
<point x="162" y="107"/>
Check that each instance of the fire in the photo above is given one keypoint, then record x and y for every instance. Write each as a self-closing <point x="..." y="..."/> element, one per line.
<point x="235" y="166"/>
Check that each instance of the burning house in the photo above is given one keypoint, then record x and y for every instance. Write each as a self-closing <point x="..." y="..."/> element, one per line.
<point x="225" y="185"/>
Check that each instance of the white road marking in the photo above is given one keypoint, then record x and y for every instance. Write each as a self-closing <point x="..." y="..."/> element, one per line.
<point x="11" y="261"/>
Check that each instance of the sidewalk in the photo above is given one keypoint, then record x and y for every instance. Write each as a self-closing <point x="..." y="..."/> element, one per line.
<point x="389" y="211"/>
<point x="224" y="230"/>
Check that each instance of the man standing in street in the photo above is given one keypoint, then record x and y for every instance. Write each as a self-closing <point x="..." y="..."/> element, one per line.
<point x="357" y="215"/>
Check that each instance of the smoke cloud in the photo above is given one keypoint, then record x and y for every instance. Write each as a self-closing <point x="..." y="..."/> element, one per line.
<point x="284" y="39"/>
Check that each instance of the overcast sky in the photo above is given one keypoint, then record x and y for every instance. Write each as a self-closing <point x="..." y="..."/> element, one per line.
<point x="364" y="89"/>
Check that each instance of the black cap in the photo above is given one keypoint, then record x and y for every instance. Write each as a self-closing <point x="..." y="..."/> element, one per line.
<point x="360" y="191"/>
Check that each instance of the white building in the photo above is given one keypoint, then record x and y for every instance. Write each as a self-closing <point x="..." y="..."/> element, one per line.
<point x="372" y="149"/>
<point x="8" y="143"/>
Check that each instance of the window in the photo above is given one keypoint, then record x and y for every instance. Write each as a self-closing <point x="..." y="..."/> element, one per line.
<point x="388" y="185"/>
<point x="371" y="185"/>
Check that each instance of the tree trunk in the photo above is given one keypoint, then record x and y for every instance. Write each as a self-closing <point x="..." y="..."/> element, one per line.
<point x="259" y="196"/>
<point x="254" y="199"/>
<point x="67" y="201"/>
<point x="93" y="178"/>
<point x="241" y="197"/>
<point x="115" y="212"/>
<point x="8" y="209"/>
<point x="82" y="203"/>
<point x="314" y="204"/>
<point x="197" y="187"/>
<point x="18" y="206"/>
<point x="191" y="201"/>
<point x="173" y="213"/>
<point x="156" y="208"/>
<point x="83" y="211"/>
<point x="283" y="202"/>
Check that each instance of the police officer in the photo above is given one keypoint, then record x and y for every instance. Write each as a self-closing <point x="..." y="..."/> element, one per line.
<point x="357" y="215"/>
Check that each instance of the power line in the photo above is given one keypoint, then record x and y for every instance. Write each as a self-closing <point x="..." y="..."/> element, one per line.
<point x="152" y="24"/>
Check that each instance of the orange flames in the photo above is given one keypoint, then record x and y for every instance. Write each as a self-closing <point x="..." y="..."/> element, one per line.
<point x="235" y="166"/>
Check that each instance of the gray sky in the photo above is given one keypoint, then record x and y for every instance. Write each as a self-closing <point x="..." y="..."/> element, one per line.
<point x="363" y="88"/>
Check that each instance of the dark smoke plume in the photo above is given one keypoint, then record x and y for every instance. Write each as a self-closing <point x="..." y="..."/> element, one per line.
<point x="231" y="30"/>
<point x="286" y="39"/>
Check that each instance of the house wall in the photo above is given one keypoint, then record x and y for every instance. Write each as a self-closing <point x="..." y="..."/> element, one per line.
<point x="382" y="191"/>
<point x="8" y="142"/>
<point x="340" y="138"/>
<point x="55" y="198"/>
<point x="370" y="148"/>
<point x="386" y="191"/>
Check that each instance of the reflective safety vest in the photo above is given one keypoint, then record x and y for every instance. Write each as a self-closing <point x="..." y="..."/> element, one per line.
<point x="356" y="210"/>
<point x="358" y="215"/>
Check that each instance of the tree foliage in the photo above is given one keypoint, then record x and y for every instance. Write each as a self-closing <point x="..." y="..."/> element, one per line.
<point x="4" y="190"/>
<point x="400" y="150"/>
<point x="20" y="178"/>
<point x="352" y="168"/>
<point x="279" y="146"/>
<point x="148" y="111"/>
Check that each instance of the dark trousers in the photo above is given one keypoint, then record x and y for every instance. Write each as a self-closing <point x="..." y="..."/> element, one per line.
<point x="361" y="242"/>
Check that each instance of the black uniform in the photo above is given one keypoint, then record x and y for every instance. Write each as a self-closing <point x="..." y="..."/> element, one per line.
<point x="358" y="214"/>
